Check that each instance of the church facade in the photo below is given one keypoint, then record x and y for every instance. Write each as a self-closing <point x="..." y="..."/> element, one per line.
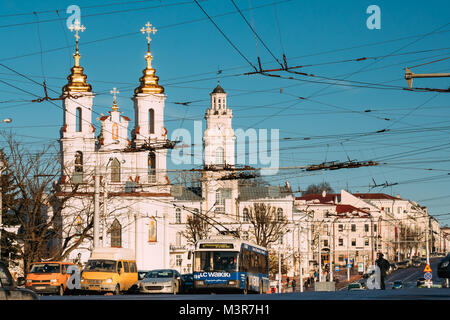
<point x="124" y="179"/>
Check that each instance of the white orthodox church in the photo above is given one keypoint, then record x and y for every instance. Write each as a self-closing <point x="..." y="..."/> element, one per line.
<point x="139" y="208"/>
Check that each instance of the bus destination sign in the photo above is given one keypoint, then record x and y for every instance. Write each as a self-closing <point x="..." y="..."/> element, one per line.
<point x="216" y="246"/>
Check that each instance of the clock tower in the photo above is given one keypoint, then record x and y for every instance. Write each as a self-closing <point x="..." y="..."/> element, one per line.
<point x="220" y="193"/>
<point x="219" y="138"/>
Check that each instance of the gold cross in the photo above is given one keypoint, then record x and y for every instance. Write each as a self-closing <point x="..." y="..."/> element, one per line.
<point x="148" y="30"/>
<point x="114" y="91"/>
<point x="77" y="27"/>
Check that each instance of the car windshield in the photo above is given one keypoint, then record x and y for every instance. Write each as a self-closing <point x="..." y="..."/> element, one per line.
<point x="398" y="282"/>
<point x="160" y="274"/>
<point x="354" y="285"/>
<point x="216" y="261"/>
<point x="45" y="268"/>
<point x="101" y="266"/>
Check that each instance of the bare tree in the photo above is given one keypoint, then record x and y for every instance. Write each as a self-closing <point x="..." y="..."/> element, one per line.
<point x="274" y="264"/>
<point x="267" y="223"/>
<point x="32" y="205"/>
<point x="197" y="228"/>
<point x="318" y="188"/>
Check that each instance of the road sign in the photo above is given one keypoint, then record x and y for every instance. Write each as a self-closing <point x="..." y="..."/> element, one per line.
<point x="349" y="265"/>
<point x="336" y="269"/>
<point x="428" y="276"/>
<point x="427" y="268"/>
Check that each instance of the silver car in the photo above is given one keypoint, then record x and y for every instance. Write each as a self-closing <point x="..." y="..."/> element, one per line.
<point x="161" y="281"/>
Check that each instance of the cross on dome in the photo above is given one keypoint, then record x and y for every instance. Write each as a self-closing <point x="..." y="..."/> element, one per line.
<point x="147" y="29"/>
<point x="77" y="26"/>
<point x="114" y="92"/>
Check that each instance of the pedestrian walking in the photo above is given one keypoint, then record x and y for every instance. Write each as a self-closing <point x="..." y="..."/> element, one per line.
<point x="384" y="265"/>
<point x="294" y="284"/>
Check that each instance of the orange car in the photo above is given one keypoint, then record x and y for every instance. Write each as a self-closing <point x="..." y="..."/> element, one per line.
<point x="49" y="277"/>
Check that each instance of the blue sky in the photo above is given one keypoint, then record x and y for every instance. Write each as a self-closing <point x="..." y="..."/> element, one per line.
<point x="188" y="51"/>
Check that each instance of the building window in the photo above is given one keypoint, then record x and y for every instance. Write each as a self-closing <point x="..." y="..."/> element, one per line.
<point x="366" y="242"/>
<point x="353" y="242"/>
<point x="178" y="239"/>
<point x="399" y="209"/>
<point x="341" y="228"/>
<point x="245" y="215"/>
<point x="219" y="156"/>
<point x="388" y="210"/>
<point x="177" y="215"/>
<point x="341" y="242"/>
<point x="280" y="216"/>
<point x="79" y="119"/>
<point x="374" y="228"/>
<point x="116" y="234"/>
<point x="151" y="121"/>
<point x="151" y="163"/>
<point x="366" y="228"/>
<point x="325" y="227"/>
<point x="353" y="227"/>
<point x="178" y="260"/>
<point x="78" y="226"/>
<point x="341" y="258"/>
<point x="115" y="170"/>
<point x="78" y="174"/>
<point x="325" y="243"/>
<point x="245" y="235"/>
<point x="280" y="239"/>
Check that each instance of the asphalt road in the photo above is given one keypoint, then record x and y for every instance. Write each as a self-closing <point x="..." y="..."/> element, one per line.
<point x="409" y="292"/>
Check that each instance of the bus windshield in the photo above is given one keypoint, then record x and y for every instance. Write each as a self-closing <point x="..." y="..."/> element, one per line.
<point x="224" y="261"/>
<point x="101" y="266"/>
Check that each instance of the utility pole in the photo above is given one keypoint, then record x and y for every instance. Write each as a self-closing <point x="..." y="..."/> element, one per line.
<point x="426" y="239"/>
<point x="105" y="211"/>
<point x="96" y="206"/>
<point x="348" y="252"/>
<point x="300" y="260"/>
<point x="279" y="271"/>
<point x="332" y="249"/>
<point x="319" y="258"/>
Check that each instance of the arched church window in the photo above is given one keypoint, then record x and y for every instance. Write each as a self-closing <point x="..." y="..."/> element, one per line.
<point x="79" y="161"/>
<point x="115" y="170"/>
<point x="79" y="119"/>
<point x="280" y="214"/>
<point x="151" y="121"/>
<point x="177" y="215"/>
<point x="245" y="215"/>
<point x="115" y="131"/>
<point x="219" y="156"/>
<point x="116" y="234"/>
<point x="152" y="166"/>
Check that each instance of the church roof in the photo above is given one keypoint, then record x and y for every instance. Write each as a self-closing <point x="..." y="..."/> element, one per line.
<point x="186" y="193"/>
<point x="263" y="192"/>
<point x="218" y="89"/>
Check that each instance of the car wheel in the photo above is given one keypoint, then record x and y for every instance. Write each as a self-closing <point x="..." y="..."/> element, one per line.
<point x="117" y="290"/>
<point x="61" y="290"/>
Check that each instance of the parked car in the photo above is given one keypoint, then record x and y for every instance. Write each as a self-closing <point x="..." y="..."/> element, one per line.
<point x="420" y="282"/>
<point x="355" y="286"/>
<point x="9" y="287"/>
<point x="402" y="265"/>
<point x="49" y="277"/>
<point x="444" y="267"/>
<point x="161" y="281"/>
<point x="416" y="262"/>
<point x="423" y="260"/>
<point x="187" y="283"/>
<point x="393" y="267"/>
<point x="398" y="284"/>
